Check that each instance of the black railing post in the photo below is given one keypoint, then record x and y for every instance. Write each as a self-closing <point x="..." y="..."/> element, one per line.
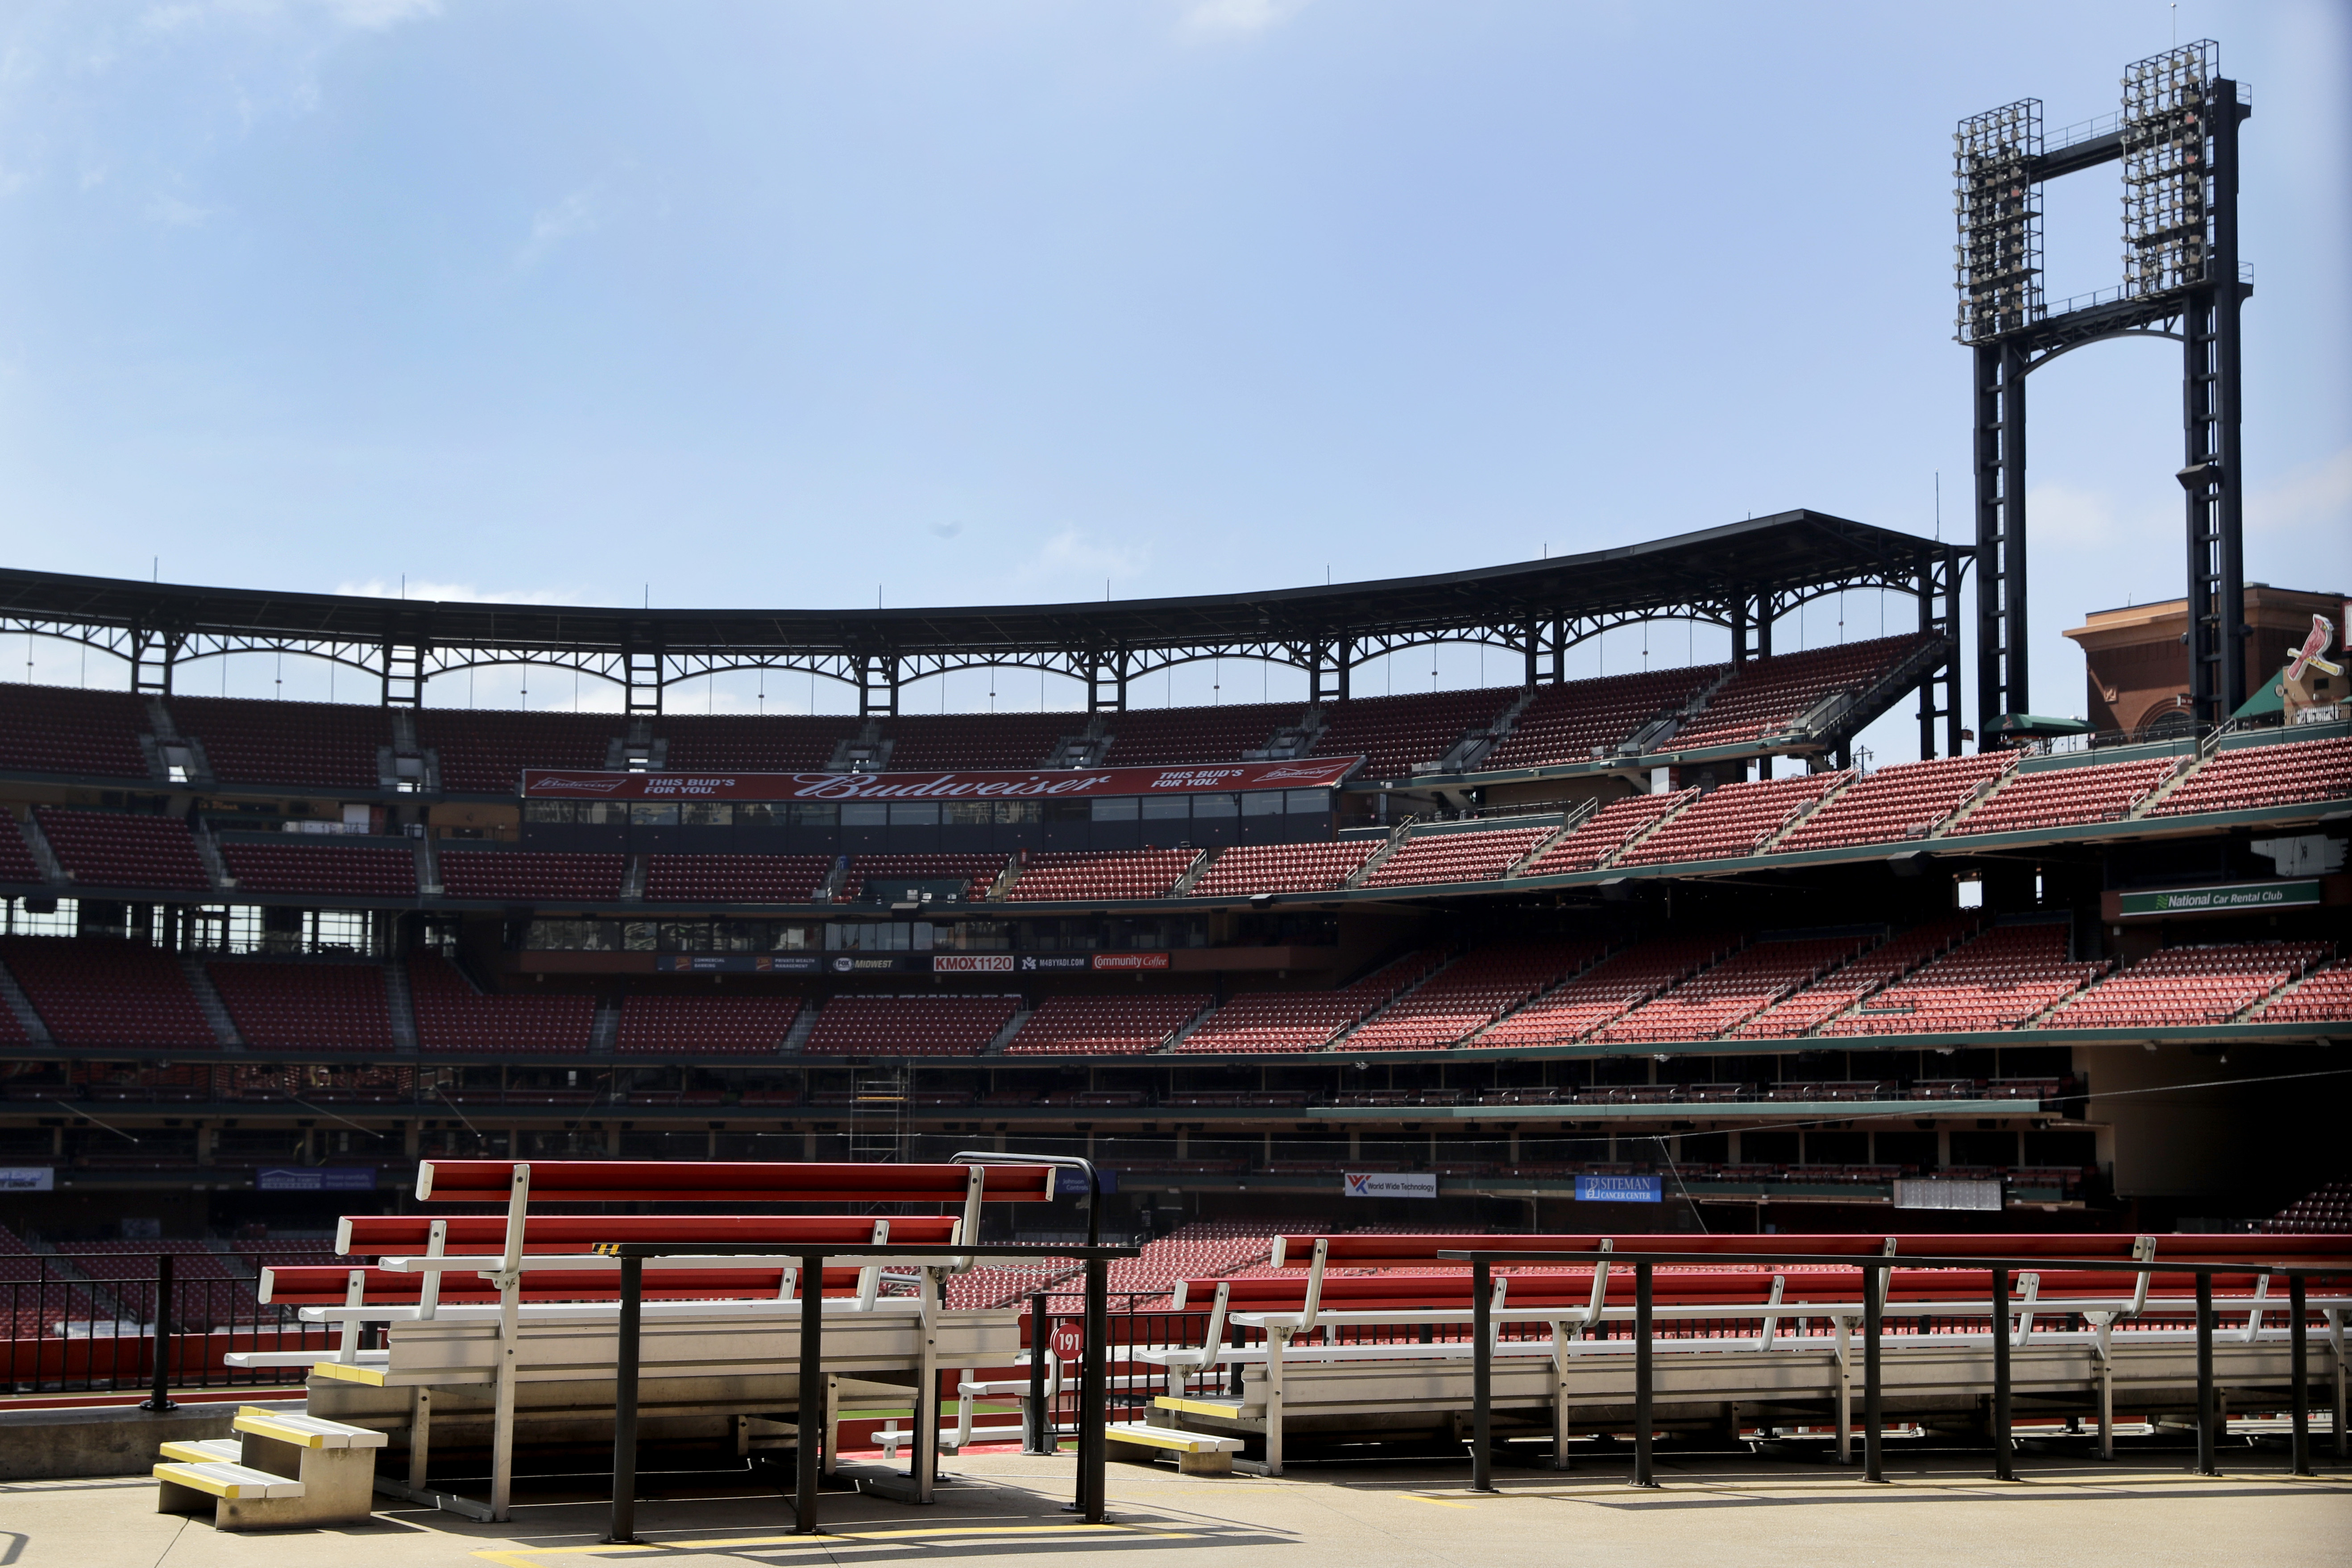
<point x="1093" y="1387"/>
<point x="624" y="1403"/>
<point x="1873" y="1426"/>
<point x="1037" y="1435"/>
<point x="1641" y="1410"/>
<point x="2208" y="1439"/>
<point x="2001" y="1468"/>
<point x="2300" y="1370"/>
<point x="1481" y="1379"/>
<point x="808" y="1421"/>
<point x="161" y="1346"/>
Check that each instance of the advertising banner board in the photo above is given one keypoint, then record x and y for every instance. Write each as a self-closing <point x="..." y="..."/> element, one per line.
<point x="2234" y="899"/>
<point x="1388" y="1184"/>
<point x="317" y="1179"/>
<point x="1621" y="1189"/>
<point x="1305" y="773"/>
<point x="27" y="1179"/>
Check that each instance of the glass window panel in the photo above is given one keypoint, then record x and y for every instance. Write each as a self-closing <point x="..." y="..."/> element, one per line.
<point x="915" y="813"/>
<point x="814" y="814"/>
<point x="1262" y="803"/>
<point x="1020" y="811"/>
<point x="1164" y="808"/>
<point x="654" y="813"/>
<point x="967" y="812"/>
<point x="1314" y="801"/>
<point x="865" y="814"/>
<point x="1114" y="808"/>
<point x="1213" y="805"/>
<point x="707" y="813"/>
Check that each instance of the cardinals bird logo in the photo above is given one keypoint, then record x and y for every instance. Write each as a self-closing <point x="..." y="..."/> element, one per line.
<point x="2323" y="633"/>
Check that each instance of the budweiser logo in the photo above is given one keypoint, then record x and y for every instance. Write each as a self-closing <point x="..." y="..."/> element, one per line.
<point x="607" y="785"/>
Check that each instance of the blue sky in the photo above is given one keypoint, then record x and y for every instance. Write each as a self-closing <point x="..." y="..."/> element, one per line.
<point x="1034" y="300"/>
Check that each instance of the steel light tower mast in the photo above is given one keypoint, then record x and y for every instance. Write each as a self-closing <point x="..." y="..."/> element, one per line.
<point x="2177" y="138"/>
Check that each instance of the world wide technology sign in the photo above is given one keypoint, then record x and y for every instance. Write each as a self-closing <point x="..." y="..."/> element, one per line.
<point x="1308" y="772"/>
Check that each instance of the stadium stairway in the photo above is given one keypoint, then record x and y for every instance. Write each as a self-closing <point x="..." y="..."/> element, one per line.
<point x="208" y="1002"/>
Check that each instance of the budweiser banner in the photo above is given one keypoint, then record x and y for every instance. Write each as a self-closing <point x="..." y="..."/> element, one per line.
<point x="1306" y="773"/>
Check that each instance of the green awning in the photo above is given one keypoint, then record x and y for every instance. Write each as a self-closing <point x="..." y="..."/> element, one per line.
<point x="2267" y="699"/>
<point x="2036" y="726"/>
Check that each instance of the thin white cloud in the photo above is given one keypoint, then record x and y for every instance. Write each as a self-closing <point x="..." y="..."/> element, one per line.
<point x="174" y="212"/>
<point x="1073" y="553"/>
<point x="455" y="593"/>
<point x="1238" y="18"/>
<point x="584" y="211"/>
<point x="2318" y="498"/>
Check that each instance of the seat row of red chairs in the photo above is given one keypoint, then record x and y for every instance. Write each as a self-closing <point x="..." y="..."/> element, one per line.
<point x="1470" y="993"/>
<point x="1907" y="801"/>
<point x="921" y="1026"/>
<point x="1104" y="1026"/>
<point x="1283" y="868"/>
<point x="1393" y="734"/>
<point x="1607" y="832"/>
<point x="2250" y="777"/>
<point x="1479" y="854"/>
<point x="2066" y="796"/>
<point x="1766" y="695"/>
<point x="1735" y="820"/>
<point x="1066" y="875"/>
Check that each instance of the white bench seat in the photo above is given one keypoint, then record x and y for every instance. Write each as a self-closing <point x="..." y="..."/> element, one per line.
<point x="304" y="1431"/>
<point x="205" y="1450"/>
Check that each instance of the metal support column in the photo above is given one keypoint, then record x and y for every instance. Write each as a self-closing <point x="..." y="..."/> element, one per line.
<point x="2212" y="470"/>
<point x="1873" y="1426"/>
<point x="2207" y="1404"/>
<point x="623" y="1529"/>
<point x="1036" y="1425"/>
<point x="2299" y="1369"/>
<point x="1481" y="1379"/>
<point x="1093" y="1391"/>
<point x="2001" y="1468"/>
<point x="808" y="1419"/>
<point x="2003" y="675"/>
<point x="1642" y="1375"/>
<point x="159" y="1396"/>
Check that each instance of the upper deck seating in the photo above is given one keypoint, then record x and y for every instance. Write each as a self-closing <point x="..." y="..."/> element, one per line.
<point x="1607" y="831"/>
<point x="16" y="862"/>
<point x="909" y="1025"/>
<point x="921" y="744"/>
<point x="1393" y="734"/>
<point x="1716" y="999"/>
<point x="978" y="872"/>
<point x="1471" y="855"/>
<point x="1903" y="802"/>
<point x="332" y="1006"/>
<point x="2061" y="797"/>
<point x="2322" y="997"/>
<point x="1271" y="1021"/>
<point x="120" y="849"/>
<point x="368" y="871"/>
<point x="1144" y="737"/>
<point x="1283" y="868"/>
<point x="333" y="745"/>
<point x="451" y="1015"/>
<point x="2249" y="777"/>
<point x="1573" y="721"/>
<point x="1104" y="1026"/>
<point x="530" y="874"/>
<point x="2189" y="986"/>
<point x="1606" y="990"/>
<point x="735" y="879"/>
<point x="1471" y="993"/>
<point x="1737" y="819"/>
<point x="674" y="1026"/>
<point x="1834" y="993"/>
<point x="2006" y="977"/>
<point x="786" y="744"/>
<point x="94" y="992"/>
<point x="485" y="752"/>
<point x="1055" y="876"/>
<point x="1765" y="695"/>
<point x="64" y="730"/>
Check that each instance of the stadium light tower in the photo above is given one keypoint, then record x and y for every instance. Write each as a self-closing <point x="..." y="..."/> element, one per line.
<point x="2177" y="138"/>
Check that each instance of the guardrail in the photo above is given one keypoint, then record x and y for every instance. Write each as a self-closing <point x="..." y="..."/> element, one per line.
<point x="69" y="1331"/>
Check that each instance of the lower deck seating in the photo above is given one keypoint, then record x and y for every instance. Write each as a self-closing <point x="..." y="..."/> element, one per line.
<point x="1713" y="1001"/>
<point x="1104" y="1026"/>
<point x="2322" y="997"/>
<point x="1605" y="991"/>
<point x="294" y="867"/>
<point x="452" y="1015"/>
<point x="1735" y="820"/>
<point x="2250" y="777"/>
<point x="705" y="1026"/>
<point x="329" y="1006"/>
<point x="909" y="1025"/>
<point x="523" y="874"/>
<point x="1469" y="856"/>
<point x="2188" y="986"/>
<point x="2063" y="797"/>
<point x="1817" y="1003"/>
<point x="1058" y="875"/>
<point x="1470" y="993"/>
<point x="123" y="849"/>
<point x="1609" y="830"/>
<point x="1283" y="868"/>
<point x="16" y="862"/>
<point x="1267" y="1021"/>
<point x="1905" y="801"/>
<point x="735" y="879"/>
<point x="2008" y="976"/>
<point x="95" y="992"/>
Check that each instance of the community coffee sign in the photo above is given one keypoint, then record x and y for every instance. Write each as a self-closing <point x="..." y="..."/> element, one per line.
<point x="1309" y="773"/>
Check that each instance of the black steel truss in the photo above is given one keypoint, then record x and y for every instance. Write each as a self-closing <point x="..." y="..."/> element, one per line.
<point x="1741" y="576"/>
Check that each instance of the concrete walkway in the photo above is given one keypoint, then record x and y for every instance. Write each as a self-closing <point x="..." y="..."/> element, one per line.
<point x="1737" y="1512"/>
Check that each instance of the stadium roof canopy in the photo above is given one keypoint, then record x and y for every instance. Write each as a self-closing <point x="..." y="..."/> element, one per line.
<point x="1742" y="577"/>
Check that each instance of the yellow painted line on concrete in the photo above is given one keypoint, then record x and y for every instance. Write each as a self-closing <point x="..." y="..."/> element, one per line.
<point x="519" y="1556"/>
<point x="1439" y="1501"/>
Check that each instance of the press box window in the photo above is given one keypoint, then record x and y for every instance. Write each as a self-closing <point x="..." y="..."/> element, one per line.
<point x="1262" y="803"/>
<point x="1317" y="802"/>
<point x="1166" y="808"/>
<point x="866" y="814"/>
<point x="654" y="813"/>
<point x="1114" y="808"/>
